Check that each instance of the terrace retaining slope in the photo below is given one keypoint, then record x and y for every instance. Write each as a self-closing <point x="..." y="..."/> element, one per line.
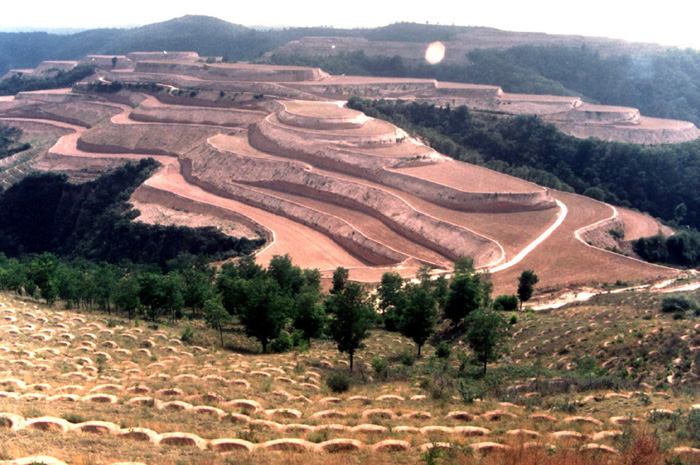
<point x="164" y="56"/>
<point x="195" y="115"/>
<point x="251" y="73"/>
<point x="148" y="194"/>
<point x="310" y="122"/>
<point x="151" y="139"/>
<point x="105" y="62"/>
<point x="445" y="196"/>
<point x="447" y="239"/>
<point x="346" y="235"/>
<point x="635" y="134"/>
<point x="276" y="139"/>
<point x="185" y="82"/>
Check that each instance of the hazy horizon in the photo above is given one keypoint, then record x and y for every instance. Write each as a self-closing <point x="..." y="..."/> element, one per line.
<point x="626" y="20"/>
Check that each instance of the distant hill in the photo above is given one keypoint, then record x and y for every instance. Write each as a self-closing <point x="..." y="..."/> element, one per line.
<point x="661" y="81"/>
<point x="211" y="36"/>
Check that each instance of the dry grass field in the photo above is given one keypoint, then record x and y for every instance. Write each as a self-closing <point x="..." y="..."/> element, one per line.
<point x="580" y="384"/>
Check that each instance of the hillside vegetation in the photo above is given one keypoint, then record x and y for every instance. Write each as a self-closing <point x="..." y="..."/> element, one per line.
<point x="21" y="83"/>
<point x="45" y="213"/>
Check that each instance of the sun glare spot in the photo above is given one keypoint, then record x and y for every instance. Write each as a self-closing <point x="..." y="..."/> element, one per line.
<point x="435" y="53"/>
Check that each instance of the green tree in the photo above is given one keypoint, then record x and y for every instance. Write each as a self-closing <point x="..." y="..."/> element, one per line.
<point x="43" y="272"/>
<point x="106" y="279"/>
<point x="13" y="275"/>
<point x="289" y="277"/>
<point x="340" y="277"/>
<point x="265" y="311"/>
<point x="216" y="315"/>
<point x="468" y="292"/>
<point x="419" y="314"/>
<point x="506" y="303"/>
<point x="197" y="288"/>
<point x="126" y="295"/>
<point x="486" y="335"/>
<point x="526" y="286"/>
<point x="308" y="315"/>
<point x="391" y="299"/>
<point x="353" y="317"/>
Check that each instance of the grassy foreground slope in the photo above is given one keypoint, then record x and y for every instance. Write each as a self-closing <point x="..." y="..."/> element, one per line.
<point x="611" y="381"/>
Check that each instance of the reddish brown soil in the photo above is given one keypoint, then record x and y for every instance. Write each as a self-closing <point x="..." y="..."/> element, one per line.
<point x="469" y="178"/>
<point x="562" y="260"/>
<point x="641" y="225"/>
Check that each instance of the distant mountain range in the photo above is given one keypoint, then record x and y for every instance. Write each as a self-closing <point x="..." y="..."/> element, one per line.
<point x="210" y="36"/>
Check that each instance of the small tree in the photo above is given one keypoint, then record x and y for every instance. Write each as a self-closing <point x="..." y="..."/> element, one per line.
<point x="526" y="286"/>
<point x="468" y="291"/>
<point x="353" y="318"/>
<point x="392" y="299"/>
<point x="216" y="315"/>
<point x="679" y="304"/>
<point x="308" y="315"/>
<point x="418" y="315"/>
<point x="486" y="334"/>
<point x="340" y="277"/>
<point x="264" y="313"/>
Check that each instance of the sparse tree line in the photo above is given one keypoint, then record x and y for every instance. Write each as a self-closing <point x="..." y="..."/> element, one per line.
<point x="281" y="306"/>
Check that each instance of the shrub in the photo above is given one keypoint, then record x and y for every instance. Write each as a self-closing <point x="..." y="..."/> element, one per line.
<point x="443" y="351"/>
<point x="187" y="334"/>
<point x="72" y="417"/>
<point x="439" y="386"/>
<point x="379" y="365"/>
<point x="338" y="381"/>
<point x="470" y="390"/>
<point x="506" y="303"/>
<point x="283" y="343"/>
<point x="679" y="303"/>
<point x="407" y="359"/>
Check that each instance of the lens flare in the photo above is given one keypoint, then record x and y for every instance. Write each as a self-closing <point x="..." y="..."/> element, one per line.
<point x="435" y="53"/>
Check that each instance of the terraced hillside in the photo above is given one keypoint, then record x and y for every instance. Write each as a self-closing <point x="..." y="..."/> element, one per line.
<point x="274" y="150"/>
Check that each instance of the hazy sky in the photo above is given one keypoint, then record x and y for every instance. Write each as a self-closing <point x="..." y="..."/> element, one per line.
<point x="671" y="22"/>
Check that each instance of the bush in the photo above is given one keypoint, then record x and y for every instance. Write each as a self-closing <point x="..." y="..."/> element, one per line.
<point x="283" y="343"/>
<point x="407" y="359"/>
<point x="679" y="303"/>
<point x="470" y="391"/>
<point x="338" y="381"/>
<point x="379" y="365"/>
<point x="72" y="417"/>
<point x="443" y="351"/>
<point x="187" y="334"/>
<point x="506" y="303"/>
<point x="439" y="386"/>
